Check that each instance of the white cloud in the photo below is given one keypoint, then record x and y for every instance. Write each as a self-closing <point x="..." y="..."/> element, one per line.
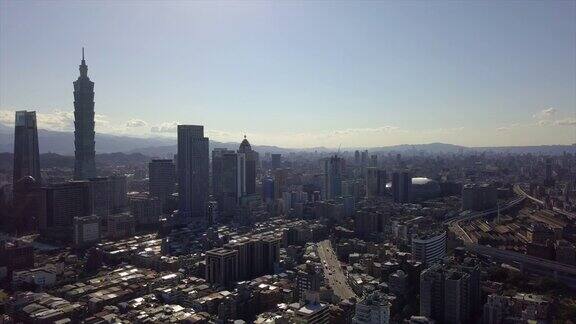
<point x="167" y="127"/>
<point x="507" y="128"/>
<point x="353" y="131"/>
<point x="7" y="117"/>
<point x="545" y="113"/>
<point x="544" y="122"/>
<point x="56" y="120"/>
<point x="133" y="123"/>
<point x="566" y="122"/>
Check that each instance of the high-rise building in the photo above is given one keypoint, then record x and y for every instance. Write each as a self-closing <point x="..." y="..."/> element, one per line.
<point x="193" y="173"/>
<point x="373" y="308"/>
<point x="450" y="294"/>
<point x="548" y="180"/>
<point x="84" y="153"/>
<point x="28" y="198"/>
<point x="120" y="225"/>
<point x="268" y="190"/>
<point x="233" y="180"/>
<point x="146" y="209"/>
<point x="86" y="230"/>
<point x="374" y="160"/>
<point x="26" y="154"/>
<point x="401" y="187"/>
<point x="61" y="203"/>
<point x="429" y="247"/>
<point x="357" y="157"/>
<point x="381" y="182"/>
<point x="280" y="181"/>
<point x="222" y="266"/>
<point x="333" y="169"/>
<point x="312" y="311"/>
<point x="308" y="278"/>
<point x="217" y="175"/>
<point x="118" y="193"/>
<point x="251" y="162"/>
<point x="16" y="256"/>
<point x="161" y="179"/>
<point x="364" y="158"/>
<point x="371" y="182"/>
<point x="101" y="191"/>
<point x="479" y="197"/>
<point x="276" y="161"/>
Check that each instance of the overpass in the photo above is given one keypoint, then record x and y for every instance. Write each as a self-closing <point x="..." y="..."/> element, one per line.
<point x="530" y="264"/>
<point x="521" y="192"/>
<point x="454" y="223"/>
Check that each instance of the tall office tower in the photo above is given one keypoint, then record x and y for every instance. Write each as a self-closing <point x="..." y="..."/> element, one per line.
<point x="548" y="172"/>
<point x="479" y="197"/>
<point x="429" y="247"/>
<point x="233" y="180"/>
<point x="372" y="309"/>
<point x="100" y="189"/>
<point x="450" y="294"/>
<point x="401" y="185"/>
<point x="222" y="266"/>
<point x="161" y="179"/>
<point x="118" y="193"/>
<point x="364" y="158"/>
<point x="251" y="162"/>
<point x="268" y="190"/>
<point x="333" y="169"/>
<point x="280" y="181"/>
<point x="28" y="198"/>
<point x="270" y="249"/>
<point x="84" y="153"/>
<point x="61" y="203"/>
<point x="432" y="293"/>
<point x="357" y="157"/>
<point x="146" y="209"/>
<point x="26" y="154"/>
<point x="217" y="175"/>
<point x="193" y="172"/>
<point x="276" y="161"/>
<point x="374" y="160"/>
<point x="308" y="278"/>
<point x="382" y="179"/>
<point x="371" y="182"/>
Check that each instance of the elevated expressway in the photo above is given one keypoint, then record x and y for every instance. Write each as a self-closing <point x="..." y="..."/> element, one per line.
<point x="564" y="272"/>
<point x="522" y="193"/>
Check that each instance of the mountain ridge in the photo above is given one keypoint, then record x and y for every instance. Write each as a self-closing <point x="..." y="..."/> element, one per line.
<point x="62" y="143"/>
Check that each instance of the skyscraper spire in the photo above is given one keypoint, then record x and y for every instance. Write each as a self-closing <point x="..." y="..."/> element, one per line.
<point x="83" y="66"/>
<point x="84" y="165"/>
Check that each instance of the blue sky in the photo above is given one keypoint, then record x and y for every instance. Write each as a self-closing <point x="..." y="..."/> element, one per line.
<point x="301" y="74"/>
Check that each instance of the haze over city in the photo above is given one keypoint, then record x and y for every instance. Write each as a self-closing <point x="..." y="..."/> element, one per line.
<point x="300" y="74"/>
<point x="288" y="162"/>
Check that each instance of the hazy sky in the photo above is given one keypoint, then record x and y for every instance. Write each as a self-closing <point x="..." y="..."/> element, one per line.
<point x="300" y="74"/>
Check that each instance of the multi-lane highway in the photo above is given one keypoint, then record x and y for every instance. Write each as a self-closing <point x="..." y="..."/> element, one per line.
<point x="567" y="273"/>
<point x="454" y="223"/>
<point x="528" y="263"/>
<point x="520" y="191"/>
<point x="333" y="272"/>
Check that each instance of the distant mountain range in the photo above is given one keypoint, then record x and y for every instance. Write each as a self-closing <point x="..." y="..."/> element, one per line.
<point x="62" y="143"/>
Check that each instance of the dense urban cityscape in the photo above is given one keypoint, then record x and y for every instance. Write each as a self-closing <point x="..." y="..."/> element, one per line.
<point x="288" y="162"/>
<point x="238" y="236"/>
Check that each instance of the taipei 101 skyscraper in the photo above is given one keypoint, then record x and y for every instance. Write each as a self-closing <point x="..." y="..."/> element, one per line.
<point x="84" y="165"/>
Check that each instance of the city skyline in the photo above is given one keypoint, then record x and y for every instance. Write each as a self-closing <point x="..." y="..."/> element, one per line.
<point x="370" y="81"/>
